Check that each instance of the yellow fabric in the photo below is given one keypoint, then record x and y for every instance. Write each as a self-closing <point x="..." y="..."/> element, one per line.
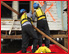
<point x="41" y="18"/>
<point x="31" y="21"/>
<point x="39" y="13"/>
<point x="24" y="16"/>
<point x="43" y="49"/>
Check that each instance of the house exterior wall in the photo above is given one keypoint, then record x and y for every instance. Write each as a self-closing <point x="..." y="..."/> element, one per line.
<point x="15" y="6"/>
<point x="60" y="22"/>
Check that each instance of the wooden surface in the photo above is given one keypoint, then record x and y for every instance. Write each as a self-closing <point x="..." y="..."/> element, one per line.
<point x="20" y="36"/>
<point x="32" y="7"/>
<point x="66" y="42"/>
<point x="6" y="24"/>
<point x="11" y="36"/>
<point x="58" y="36"/>
<point x="11" y="27"/>
<point x="15" y="6"/>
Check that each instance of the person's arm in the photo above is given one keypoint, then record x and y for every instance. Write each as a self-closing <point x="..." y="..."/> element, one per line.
<point x="29" y="15"/>
<point x="44" y="6"/>
<point x="33" y="16"/>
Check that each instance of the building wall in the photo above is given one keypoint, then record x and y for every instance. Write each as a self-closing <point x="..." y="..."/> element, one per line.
<point x="15" y="6"/>
<point x="65" y="16"/>
<point x="60" y="22"/>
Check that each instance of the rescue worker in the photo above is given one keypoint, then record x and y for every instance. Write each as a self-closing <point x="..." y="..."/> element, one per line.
<point x="27" y="31"/>
<point x="41" y="22"/>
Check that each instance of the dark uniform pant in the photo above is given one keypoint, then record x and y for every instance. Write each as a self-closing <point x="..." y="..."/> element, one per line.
<point x="43" y="26"/>
<point x="27" y="31"/>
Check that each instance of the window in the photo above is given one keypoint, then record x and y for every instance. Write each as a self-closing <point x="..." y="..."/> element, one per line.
<point x="5" y="12"/>
<point x="24" y="5"/>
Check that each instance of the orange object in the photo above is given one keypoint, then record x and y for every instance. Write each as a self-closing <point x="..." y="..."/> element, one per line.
<point x="47" y="10"/>
<point x="51" y="15"/>
<point x="42" y="3"/>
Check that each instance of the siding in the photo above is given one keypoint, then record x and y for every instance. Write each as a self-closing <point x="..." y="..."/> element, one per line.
<point x="65" y="20"/>
<point x="56" y="11"/>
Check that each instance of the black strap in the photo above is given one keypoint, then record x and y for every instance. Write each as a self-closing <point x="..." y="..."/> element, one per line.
<point x="40" y="16"/>
<point x="23" y="19"/>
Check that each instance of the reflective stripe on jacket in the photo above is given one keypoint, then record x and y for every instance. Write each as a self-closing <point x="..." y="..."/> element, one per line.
<point x="31" y="21"/>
